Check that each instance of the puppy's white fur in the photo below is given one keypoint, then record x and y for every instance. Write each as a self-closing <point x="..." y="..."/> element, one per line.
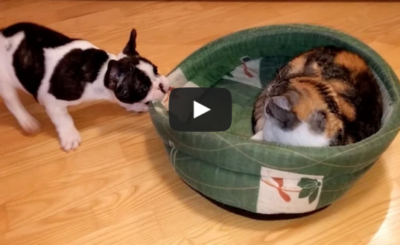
<point x="57" y="109"/>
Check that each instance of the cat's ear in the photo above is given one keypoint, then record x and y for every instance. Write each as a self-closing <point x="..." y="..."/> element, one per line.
<point x="282" y="102"/>
<point x="113" y="75"/>
<point x="317" y="121"/>
<point x="130" y="48"/>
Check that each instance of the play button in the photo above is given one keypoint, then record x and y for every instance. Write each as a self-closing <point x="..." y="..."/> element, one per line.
<point x="199" y="109"/>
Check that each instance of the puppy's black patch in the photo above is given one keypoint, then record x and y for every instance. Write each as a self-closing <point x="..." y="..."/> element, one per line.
<point x="38" y="35"/>
<point x="28" y="59"/>
<point x="155" y="68"/>
<point x="74" y="71"/>
<point x="130" y="84"/>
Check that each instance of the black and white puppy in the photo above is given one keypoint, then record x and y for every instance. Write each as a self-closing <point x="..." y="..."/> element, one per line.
<point x="60" y="71"/>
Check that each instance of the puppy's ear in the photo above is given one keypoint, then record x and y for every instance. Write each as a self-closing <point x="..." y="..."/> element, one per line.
<point x="113" y="75"/>
<point x="130" y="48"/>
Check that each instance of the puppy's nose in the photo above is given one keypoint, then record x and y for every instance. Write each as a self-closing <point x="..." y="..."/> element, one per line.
<point x="162" y="88"/>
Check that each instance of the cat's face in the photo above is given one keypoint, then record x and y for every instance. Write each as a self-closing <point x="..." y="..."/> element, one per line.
<point x="133" y="78"/>
<point x="296" y="114"/>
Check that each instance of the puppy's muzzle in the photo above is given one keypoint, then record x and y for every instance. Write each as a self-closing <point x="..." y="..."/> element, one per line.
<point x="163" y="84"/>
<point x="162" y="88"/>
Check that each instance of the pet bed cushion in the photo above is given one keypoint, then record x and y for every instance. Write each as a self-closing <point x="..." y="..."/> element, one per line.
<point x="259" y="177"/>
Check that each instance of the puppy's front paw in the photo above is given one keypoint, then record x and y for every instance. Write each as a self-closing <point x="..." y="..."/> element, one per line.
<point x="30" y="125"/>
<point x="70" y="139"/>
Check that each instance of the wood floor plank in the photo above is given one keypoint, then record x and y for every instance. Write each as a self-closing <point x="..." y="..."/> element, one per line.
<point x="58" y="228"/>
<point x="142" y="228"/>
<point x="3" y="220"/>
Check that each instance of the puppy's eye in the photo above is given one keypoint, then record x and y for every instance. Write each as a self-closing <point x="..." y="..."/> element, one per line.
<point x="144" y="89"/>
<point x="125" y="93"/>
<point x="130" y="68"/>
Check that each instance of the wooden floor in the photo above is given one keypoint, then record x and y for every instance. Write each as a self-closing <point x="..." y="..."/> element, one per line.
<point x="119" y="189"/>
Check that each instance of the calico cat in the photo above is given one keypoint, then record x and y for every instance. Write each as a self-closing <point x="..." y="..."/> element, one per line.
<point x="324" y="97"/>
<point x="60" y="71"/>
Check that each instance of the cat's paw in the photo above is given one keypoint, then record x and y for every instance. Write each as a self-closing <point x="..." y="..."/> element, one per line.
<point x="70" y="139"/>
<point x="258" y="136"/>
<point x="30" y="125"/>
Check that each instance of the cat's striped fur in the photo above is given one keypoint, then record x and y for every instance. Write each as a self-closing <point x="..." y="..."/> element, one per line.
<point x="328" y="95"/>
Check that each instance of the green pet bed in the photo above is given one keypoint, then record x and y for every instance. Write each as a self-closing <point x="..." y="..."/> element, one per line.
<point x="259" y="177"/>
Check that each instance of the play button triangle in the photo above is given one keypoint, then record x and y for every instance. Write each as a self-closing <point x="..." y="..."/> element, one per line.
<point x="199" y="109"/>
